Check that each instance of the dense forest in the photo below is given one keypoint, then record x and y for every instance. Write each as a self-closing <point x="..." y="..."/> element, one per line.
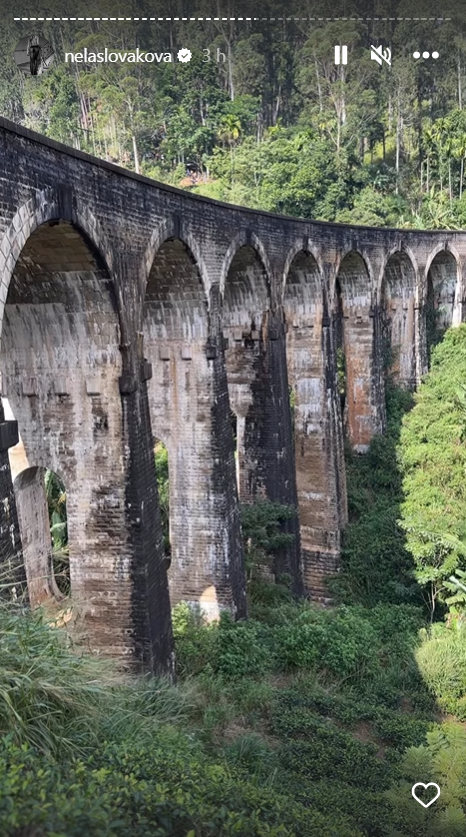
<point x="300" y="721"/>
<point x="273" y="123"/>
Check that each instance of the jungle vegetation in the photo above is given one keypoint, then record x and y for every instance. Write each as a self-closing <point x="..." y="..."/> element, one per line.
<point x="300" y="720"/>
<point x="273" y="124"/>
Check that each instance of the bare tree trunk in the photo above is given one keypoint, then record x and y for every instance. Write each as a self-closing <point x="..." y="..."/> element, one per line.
<point x="230" y="73"/>
<point x="136" y="156"/>
<point x="277" y="105"/>
<point x="319" y="87"/>
<point x="460" y="89"/>
<point x="93" y="136"/>
<point x="398" y="143"/>
<point x="201" y="109"/>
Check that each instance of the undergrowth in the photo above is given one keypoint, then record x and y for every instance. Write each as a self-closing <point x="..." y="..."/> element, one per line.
<point x="376" y="566"/>
<point x="299" y="722"/>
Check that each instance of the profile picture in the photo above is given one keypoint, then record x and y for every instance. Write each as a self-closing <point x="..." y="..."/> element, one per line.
<point x="33" y="54"/>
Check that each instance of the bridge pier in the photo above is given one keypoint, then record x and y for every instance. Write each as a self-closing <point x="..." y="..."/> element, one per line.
<point x="398" y="311"/>
<point x="34" y="526"/>
<point x="356" y="332"/>
<point x="62" y="373"/>
<point x="320" y="472"/>
<point x="441" y="298"/>
<point x="149" y="601"/>
<point x="259" y="397"/>
<point x="190" y="414"/>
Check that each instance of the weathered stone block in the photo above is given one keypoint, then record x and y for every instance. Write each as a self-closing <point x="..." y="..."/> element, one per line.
<point x="29" y="386"/>
<point x="61" y="386"/>
<point x="93" y="386"/>
<point x="9" y="436"/>
<point x="146" y="371"/>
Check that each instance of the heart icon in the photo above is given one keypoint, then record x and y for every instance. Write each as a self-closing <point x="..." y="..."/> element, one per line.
<point x="422" y="785"/>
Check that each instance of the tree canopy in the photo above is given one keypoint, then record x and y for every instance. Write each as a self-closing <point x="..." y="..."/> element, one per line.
<point x="433" y="461"/>
<point x="273" y="123"/>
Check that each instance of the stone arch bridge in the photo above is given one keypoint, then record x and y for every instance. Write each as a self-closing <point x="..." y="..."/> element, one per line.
<point x="131" y="311"/>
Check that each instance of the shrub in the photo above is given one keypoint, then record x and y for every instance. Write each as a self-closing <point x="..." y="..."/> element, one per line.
<point x="433" y="459"/>
<point x="166" y="786"/>
<point x="442" y="661"/>
<point x="241" y="650"/>
<point x="317" y="749"/>
<point x="442" y="759"/>
<point x="376" y="567"/>
<point x="264" y="526"/>
<point x="49" y="696"/>
<point x="195" y="640"/>
<point x="341" y="642"/>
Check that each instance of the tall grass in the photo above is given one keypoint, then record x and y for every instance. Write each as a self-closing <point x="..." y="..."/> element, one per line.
<point x="63" y="702"/>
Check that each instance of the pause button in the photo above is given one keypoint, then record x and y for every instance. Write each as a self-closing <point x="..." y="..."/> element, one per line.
<point x="341" y="54"/>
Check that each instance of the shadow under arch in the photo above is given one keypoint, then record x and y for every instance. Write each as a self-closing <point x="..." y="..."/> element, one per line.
<point x="257" y="375"/>
<point x="188" y="405"/>
<point x="360" y="379"/>
<point x="50" y="207"/>
<point x="245" y="316"/>
<point x="441" y="297"/>
<point x="245" y="240"/>
<point x="301" y="249"/>
<point x="167" y="231"/>
<point x="398" y="318"/>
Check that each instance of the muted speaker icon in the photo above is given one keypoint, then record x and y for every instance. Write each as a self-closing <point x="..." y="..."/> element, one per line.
<point x="380" y="55"/>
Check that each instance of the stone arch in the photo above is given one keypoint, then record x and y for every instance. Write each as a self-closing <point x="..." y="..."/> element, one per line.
<point x="445" y="247"/>
<point x="245" y="315"/>
<point x="166" y="231"/>
<point x="253" y="243"/>
<point x="46" y="207"/>
<point x="355" y="337"/>
<point x="441" y="294"/>
<point x="189" y="410"/>
<point x="258" y="389"/>
<point x="398" y="301"/>
<point x="176" y="304"/>
<point x="303" y="291"/>
<point x="61" y="364"/>
<point x="298" y="249"/>
<point x="393" y="251"/>
<point x="303" y="310"/>
<point x="246" y="290"/>
<point x="354" y="278"/>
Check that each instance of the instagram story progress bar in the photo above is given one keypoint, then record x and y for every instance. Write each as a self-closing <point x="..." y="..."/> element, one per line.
<point x="341" y="54"/>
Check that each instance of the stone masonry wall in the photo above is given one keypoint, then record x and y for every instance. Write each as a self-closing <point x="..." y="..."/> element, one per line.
<point x="100" y="309"/>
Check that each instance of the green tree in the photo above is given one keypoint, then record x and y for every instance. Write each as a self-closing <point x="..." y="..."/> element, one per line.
<point x="163" y="485"/>
<point x="56" y="502"/>
<point x="433" y="460"/>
